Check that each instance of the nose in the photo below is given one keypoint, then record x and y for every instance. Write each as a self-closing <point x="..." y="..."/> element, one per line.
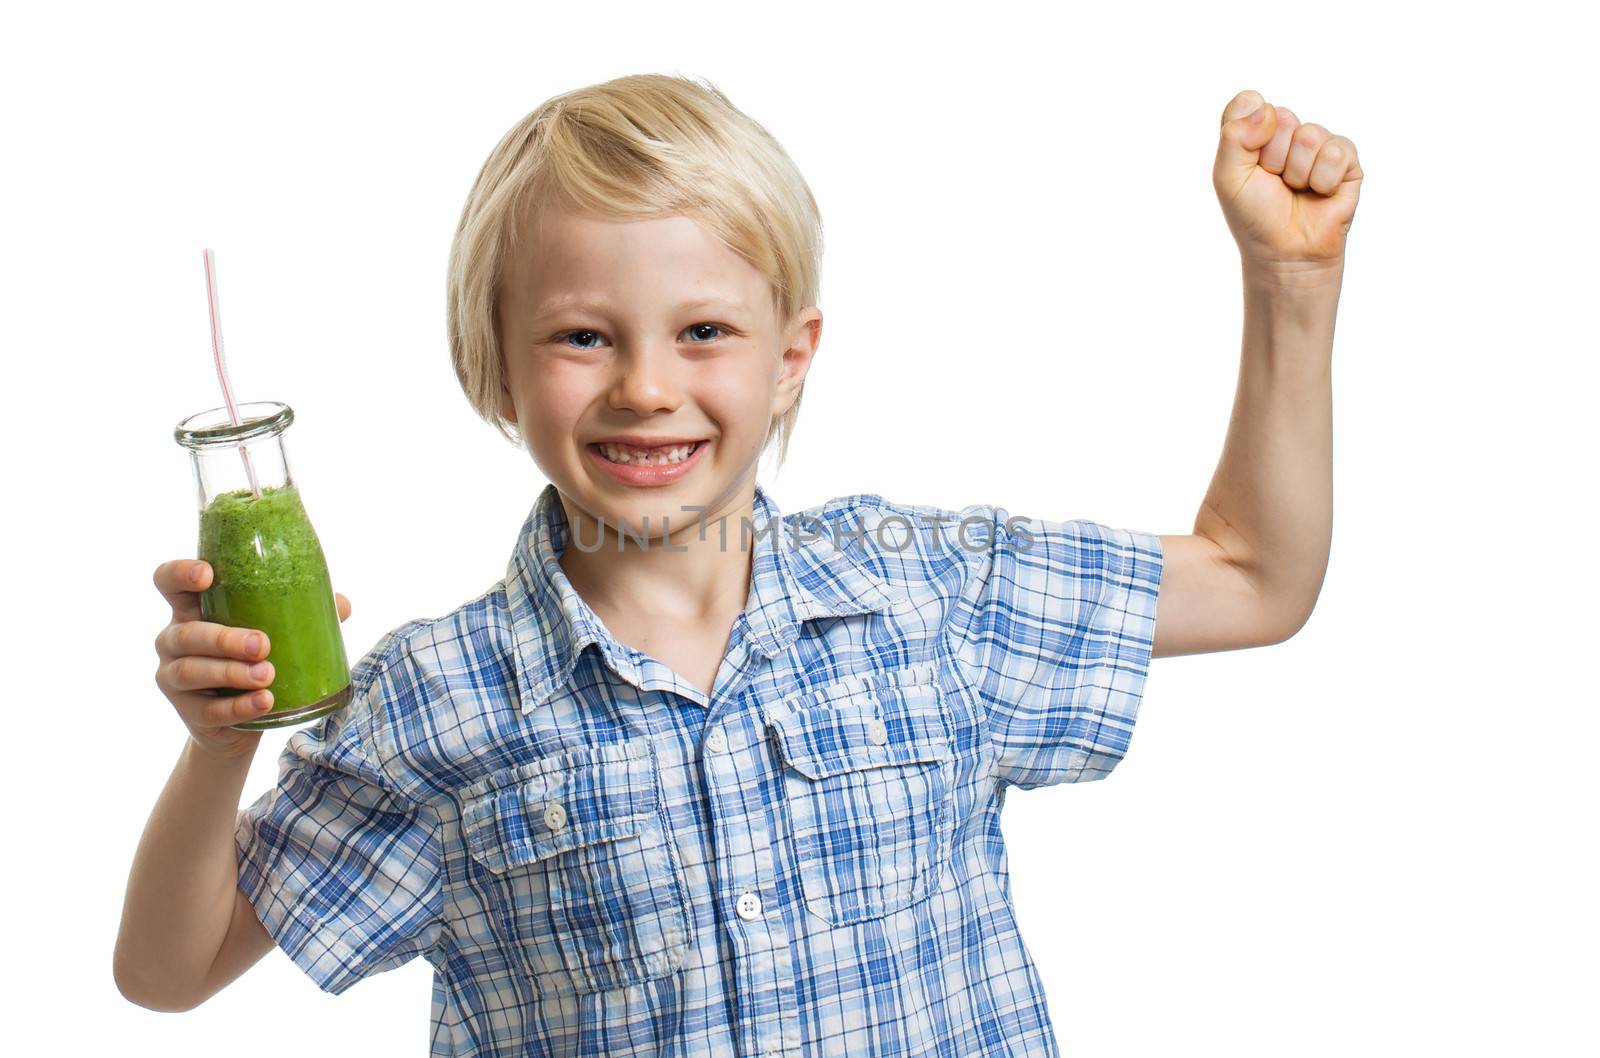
<point x="646" y="381"/>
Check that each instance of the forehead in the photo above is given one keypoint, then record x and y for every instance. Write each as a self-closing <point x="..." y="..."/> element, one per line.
<point x="567" y="257"/>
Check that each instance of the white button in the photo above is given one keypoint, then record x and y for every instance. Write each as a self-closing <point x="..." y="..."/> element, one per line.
<point x="555" y="817"/>
<point x="749" y="906"/>
<point x="877" y="732"/>
<point x="716" y="742"/>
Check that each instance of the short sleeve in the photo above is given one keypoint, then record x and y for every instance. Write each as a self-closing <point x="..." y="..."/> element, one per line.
<point x="1056" y="635"/>
<point x="344" y="870"/>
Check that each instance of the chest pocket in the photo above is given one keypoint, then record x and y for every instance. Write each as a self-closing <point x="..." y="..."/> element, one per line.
<point x="588" y="884"/>
<point x="867" y="778"/>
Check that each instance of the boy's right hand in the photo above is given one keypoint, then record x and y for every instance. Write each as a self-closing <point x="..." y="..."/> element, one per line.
<point x="198" y="655"/>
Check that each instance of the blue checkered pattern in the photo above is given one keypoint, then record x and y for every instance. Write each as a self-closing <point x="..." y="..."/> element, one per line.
<point x="599" y="859"/>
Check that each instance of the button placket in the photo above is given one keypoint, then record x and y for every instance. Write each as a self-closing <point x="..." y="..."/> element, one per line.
<point x="729" y="757"/>
<point x="732" y="754"/>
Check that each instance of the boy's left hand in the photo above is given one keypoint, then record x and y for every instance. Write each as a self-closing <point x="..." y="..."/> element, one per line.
<point x="1288" y="190"/>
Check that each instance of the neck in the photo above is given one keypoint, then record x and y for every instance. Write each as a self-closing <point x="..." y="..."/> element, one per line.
<point x="655" y="560"/>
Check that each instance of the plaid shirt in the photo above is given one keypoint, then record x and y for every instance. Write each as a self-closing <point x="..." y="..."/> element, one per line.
<point x="599" y="859"/>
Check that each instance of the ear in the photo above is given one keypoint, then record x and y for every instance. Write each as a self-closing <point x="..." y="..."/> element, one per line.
<point x="800" y="348"/>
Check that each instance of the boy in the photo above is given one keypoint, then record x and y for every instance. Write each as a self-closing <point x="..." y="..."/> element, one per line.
<point x="697" y="777"/>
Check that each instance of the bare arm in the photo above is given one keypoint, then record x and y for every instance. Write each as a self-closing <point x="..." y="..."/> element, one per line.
<point x="1270" y="505"/>
<point x="1251" y="572"/>
<point x="187" y="929"/>
<point x="247" y="941"/>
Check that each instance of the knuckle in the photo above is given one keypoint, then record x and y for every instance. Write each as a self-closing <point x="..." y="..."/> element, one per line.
<point x="215" y="714"/>
<point x="187" y="671"/>
<point x="183" y="637"/>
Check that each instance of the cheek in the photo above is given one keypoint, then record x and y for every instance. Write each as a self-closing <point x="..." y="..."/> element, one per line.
<point x="551" y="400"/>
<point x="738" y="393"/>
<point x="556" y="390"/>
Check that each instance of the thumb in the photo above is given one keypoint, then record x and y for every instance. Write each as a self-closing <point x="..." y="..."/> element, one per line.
<point x="1248" y="122"/>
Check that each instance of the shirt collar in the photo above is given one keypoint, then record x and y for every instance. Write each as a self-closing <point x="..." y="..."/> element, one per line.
<point x="798" y="574"/>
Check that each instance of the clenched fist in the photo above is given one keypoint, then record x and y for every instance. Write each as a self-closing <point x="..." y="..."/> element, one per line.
<point x="1288" y="190"/>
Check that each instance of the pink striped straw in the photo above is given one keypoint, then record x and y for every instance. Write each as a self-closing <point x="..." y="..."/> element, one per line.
<point x="222" y="367"/>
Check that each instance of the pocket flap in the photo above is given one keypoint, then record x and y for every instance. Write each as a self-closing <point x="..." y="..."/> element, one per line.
<point x="561" y="802"/>
<point x="872" y="721"/>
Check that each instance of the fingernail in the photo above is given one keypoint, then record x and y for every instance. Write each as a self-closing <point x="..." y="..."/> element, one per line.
<point x="252" y="643"/>
<point x="198" y="575"/>
<point x="259" y="670"/>
<point x="1259" y="114"/>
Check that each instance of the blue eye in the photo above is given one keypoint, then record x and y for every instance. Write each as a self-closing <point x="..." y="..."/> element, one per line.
<point x="713" y="326"/>
<point x="569" y="334"/>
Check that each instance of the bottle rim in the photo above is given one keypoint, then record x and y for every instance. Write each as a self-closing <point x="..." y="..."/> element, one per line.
<point x="214" y="426"/>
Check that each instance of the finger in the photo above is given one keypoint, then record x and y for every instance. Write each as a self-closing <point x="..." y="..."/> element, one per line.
<point x="209" y="639"/>
<point x="1308" y="140"/>
<point x="180" y="581"/>
<point x="1337" y="170"/>
<point x="1276" y="152"/>
<point x="342" y="605"/>
<point x="199" y="709"/>
<point x="193" y="673"/>
<point x="1248" y="124"/>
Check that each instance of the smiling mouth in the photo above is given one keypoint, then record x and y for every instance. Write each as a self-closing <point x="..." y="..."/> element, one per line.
<point x="664" y="456"/>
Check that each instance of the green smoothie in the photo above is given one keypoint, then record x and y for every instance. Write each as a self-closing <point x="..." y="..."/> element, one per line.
<point x="269" y="573"/>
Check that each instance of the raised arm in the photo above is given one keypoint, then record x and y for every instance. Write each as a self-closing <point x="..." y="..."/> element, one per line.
<point x="183" y="916"/>
<point x="187" y="928"/>
<point x="1250" y="573"/>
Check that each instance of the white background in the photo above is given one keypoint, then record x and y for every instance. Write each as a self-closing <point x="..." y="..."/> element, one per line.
<point x="1373" y="839"/>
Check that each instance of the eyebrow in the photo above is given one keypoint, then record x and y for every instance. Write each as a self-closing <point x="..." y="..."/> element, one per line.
<point x="555" y="305"/>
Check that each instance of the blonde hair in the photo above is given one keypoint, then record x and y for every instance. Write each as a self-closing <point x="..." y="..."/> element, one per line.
<point x="636" y="147"/>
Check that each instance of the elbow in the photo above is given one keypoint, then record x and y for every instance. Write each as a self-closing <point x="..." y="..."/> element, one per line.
<point x="1281" y="616"/>
<point x="1286" y="628"/>
<point x="139" y="990"/>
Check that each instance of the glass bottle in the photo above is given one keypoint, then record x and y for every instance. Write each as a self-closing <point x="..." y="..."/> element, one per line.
<point x="268" y="570"/>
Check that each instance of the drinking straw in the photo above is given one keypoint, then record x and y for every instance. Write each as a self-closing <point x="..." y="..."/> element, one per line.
<point x="222" y="367"/>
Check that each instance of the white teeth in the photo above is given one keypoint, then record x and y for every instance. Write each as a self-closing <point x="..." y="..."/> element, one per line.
<point x="646" y="457"/>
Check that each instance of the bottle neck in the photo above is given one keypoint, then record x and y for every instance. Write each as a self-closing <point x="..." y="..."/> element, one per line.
<point x="249" y="470"/>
